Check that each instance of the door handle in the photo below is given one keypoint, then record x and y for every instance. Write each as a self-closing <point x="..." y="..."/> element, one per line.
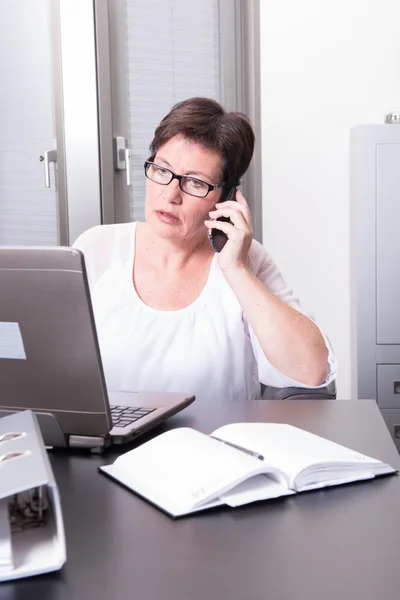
<point x="49" y="156"/>
<point x="122" y="156"/>
<point x="127" y="156"/>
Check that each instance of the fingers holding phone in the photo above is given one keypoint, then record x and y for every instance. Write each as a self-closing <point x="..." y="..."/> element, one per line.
<point x="230" y="231"/>
<point x="218" y="237"/>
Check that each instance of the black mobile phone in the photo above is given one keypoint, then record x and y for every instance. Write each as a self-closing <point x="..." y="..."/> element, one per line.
<point x="217" y="237"/>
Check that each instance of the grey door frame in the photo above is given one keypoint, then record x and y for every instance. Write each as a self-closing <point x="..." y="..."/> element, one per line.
<point x="60" y="165"/>
<point x="76" y="117"/>
<point x="240" y="85"/>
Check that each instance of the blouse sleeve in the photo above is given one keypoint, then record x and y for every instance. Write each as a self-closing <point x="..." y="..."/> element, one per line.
<point x="268" y="273"/>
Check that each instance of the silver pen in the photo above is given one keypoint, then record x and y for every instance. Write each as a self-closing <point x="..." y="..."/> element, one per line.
<point x="241" y="448"/>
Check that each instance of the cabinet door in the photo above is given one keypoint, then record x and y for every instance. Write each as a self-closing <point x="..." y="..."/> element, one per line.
<point x="28" y="209"/>
<point x="388" y="243"/>
<point x="392" y="419"/>
<point x="388" y="386"/>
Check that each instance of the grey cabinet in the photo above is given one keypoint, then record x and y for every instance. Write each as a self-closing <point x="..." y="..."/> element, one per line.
<point x="375" y="228"/>
<point x="388" y="242"/>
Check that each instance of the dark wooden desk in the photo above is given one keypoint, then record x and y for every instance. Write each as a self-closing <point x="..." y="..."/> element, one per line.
<point x="341" y="543"/>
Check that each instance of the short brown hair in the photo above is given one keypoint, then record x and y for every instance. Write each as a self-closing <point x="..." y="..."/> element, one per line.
<point x="205" y="122"/>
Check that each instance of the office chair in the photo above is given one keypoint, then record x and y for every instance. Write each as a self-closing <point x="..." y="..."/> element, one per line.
<point x="297" y="393"/>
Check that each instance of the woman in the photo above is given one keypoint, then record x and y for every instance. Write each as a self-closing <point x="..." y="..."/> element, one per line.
<point x="172" y="314"/>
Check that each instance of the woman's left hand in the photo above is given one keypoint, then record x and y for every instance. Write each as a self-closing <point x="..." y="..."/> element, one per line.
<point x="240" y="234"/>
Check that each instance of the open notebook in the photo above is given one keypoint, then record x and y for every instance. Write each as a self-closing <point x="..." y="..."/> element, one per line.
<point x="183" y="471"/>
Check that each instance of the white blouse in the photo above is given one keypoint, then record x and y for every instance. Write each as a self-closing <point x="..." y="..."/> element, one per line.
<point x="207" y="349"/>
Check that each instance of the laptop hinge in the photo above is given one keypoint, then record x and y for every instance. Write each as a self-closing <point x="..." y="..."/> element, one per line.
<point x="91" y="442"/>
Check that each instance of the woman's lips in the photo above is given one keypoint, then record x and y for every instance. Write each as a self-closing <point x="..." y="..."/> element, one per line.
<point x="167" y="217"/>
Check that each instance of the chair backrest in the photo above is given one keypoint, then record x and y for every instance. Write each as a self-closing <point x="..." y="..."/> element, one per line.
<point x="298" y="393"/>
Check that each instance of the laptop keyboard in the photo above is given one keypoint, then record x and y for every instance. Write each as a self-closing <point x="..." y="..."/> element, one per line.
<point x="122" y="416"/>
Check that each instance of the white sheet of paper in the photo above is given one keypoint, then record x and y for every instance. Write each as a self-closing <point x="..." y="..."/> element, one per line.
<point x="260" y="487"/>
<point x="6" y="561"/>
<point x="11" y="342"/>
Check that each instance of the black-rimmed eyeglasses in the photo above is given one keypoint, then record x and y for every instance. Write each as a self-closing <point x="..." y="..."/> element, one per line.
<point x="189" y="185"/>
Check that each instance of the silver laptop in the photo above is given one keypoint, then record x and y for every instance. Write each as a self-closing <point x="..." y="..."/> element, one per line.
<point x="50" y="359"/>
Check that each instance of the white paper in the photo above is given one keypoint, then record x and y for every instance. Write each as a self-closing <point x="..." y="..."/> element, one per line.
<point x="260" y="487"/>
<point x="11" y="342"/>
<point x="6" y="562"/>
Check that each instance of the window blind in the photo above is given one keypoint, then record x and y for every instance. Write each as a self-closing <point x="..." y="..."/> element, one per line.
<point x="172" y="51"/>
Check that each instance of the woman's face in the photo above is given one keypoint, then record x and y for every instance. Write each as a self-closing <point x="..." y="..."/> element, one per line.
<point x="170" y="212"/>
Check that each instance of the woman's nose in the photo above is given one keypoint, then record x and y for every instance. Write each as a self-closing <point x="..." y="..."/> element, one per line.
<point x="172" y="192"/>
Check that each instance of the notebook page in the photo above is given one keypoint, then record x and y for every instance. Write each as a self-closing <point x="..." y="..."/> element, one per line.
<point x="260" y="487"/>
<point x="6" y="562"/>
<point x="292" y="449"/>
<point x="183" y="468"/>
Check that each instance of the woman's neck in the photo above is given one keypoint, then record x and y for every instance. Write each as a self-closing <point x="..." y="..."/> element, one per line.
<point x="171" y="255"/>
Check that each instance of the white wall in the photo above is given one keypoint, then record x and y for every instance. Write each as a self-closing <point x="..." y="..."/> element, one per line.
<point x="325" y="66"/>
